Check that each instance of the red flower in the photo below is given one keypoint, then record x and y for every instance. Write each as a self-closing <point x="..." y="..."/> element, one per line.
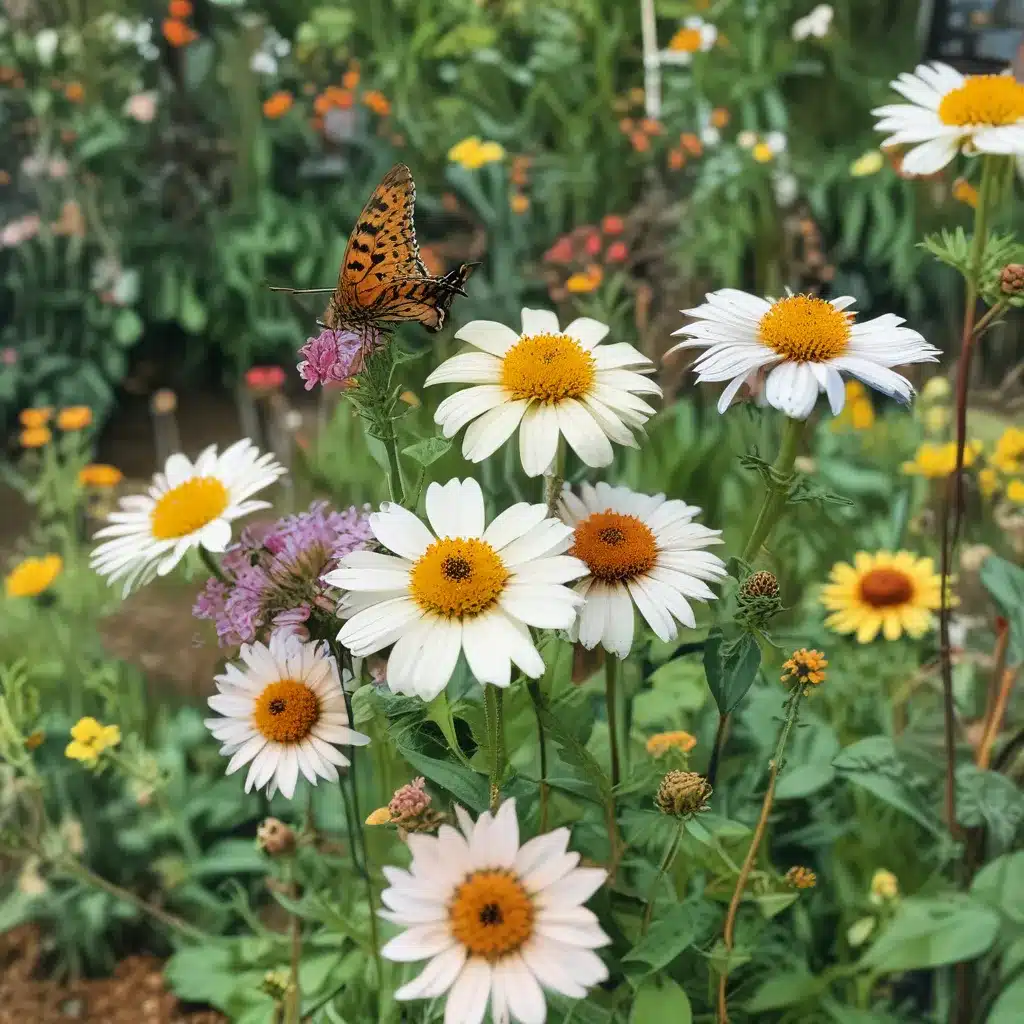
<point x="617" y="252"/>
<point x="560" y="252"/>
<point x="592" y="246"/>
<point x="613" y="224"/>
<point x="264" y="378"/>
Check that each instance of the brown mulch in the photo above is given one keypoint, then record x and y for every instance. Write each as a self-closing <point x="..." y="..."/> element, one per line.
<point x="135" y="994"/>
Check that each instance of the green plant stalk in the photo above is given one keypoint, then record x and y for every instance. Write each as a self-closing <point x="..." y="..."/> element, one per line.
<point x="534" y="688"/>
<point x="212" y="565"/>
<point x="495" y="718"/>
<point x="293" y="998"/>
<point x="611" y="672"/>
<point x="396" y="487"/>
<point x="663" y="868"/>
<point x="775" y="766"/>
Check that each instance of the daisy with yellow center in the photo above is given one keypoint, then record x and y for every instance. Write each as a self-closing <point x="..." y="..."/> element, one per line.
<point x="640" y="550"/>
<point x="804" y="344"/>
<point x="283" y="713"/>
<point x="662" y="742"/>
<point x="950" y="112"/>
<point x="694" y="36"/>
<point x="548" y="382"/>
<point x="32" y="576"/>
<point x="937" y="461"/>
<point x="891" y="593"/>
<point x="89" y="739"/>
<point x="498" y="922"/>
<point x="189" y="505"/>
<point x="463" y="588"/>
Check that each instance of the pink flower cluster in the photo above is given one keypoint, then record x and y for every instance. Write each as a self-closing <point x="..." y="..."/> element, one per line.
<point x="332" y="357"/>
<point x="410" y="801"/>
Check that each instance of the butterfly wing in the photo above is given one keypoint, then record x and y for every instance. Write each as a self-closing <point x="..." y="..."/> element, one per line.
<point x="382" y="277"/>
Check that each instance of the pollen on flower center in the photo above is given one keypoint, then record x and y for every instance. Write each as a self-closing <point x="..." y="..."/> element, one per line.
<point x="614" y="546"/>
<point x="548" y="367"/>
<point x="286" y="711"/>
<point x="686" y="40"/>
<point x="458" y="576"/>
<point x="984" y="100"/>
<point x="805" y="329"/>
<point x="883" y="588"/>
<point x="188" y="507"/>
<point x="491" y="914"/>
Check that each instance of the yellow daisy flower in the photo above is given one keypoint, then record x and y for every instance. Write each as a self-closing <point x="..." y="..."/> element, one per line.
<point x="887" y="592"/>
<point x="937" y="461"/>
<point x="89" y="739"/>
<point x="32" y="576"/>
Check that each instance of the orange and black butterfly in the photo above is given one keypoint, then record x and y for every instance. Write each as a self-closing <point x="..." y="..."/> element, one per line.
<point x="382" y="278"/>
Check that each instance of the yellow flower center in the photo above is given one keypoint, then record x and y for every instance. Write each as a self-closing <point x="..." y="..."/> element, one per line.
<point x="188" y="507"/>
<point x="548" y="367"/>
<point x="885" y="588"/>
<point x="686" y="40"/>
<point x="491" y="914"/>
<point x="286" y="711"/>
<point x="458" y="577"/>
<point x="33" y="576"/>
<point x="614" y="546"/>
<point x="805" y="329"/>
<point x="984" y="100"/>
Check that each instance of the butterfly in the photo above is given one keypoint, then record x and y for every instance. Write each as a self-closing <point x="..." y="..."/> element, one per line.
<point x="382" y="278"/>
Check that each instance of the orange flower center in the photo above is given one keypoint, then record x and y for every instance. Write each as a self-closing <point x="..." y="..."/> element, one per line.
<point x="458" y="577"/>
<point x="491" y="914"/>
<point x="548" y="367"/>
<point x="188" y="507"/>
<point x="805" y="329"/>
<point x="614" y="546"/>
<point x="286" y="711"/>
<point x="885" y="588"/>
<point x="984" y="100"/>
<point x="686" y="40"/>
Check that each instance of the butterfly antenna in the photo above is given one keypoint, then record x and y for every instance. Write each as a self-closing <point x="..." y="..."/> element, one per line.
<point x="298" y="291"/>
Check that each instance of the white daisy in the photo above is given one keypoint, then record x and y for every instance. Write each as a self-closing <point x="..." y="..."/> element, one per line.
<point x="467" y="589"/>
<point x="188" y="505"/>
<point x="804" y="343"/>
<point x="498" y="921"/>
<point x="548" y="382"/>
<point x="643" y="550"/>
<point x="695" y="35"/>
<point x="948" y="112"/>
<point x="283" y="710"/>
<point x="816" y="24"/>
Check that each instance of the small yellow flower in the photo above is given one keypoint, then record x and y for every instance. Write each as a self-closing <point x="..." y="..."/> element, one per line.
<point x="35" y="437"/>
<point x="1015" y="491"/>
<point x="858" y="411"/>
<point x="936" y="419"/>
<point x="588" y="281"/>
<point x="89" y="739"/>
<point x="98" y="474"/>
<point x="868" y="163"/>
<point x="965" y="192"/>
<point x="519" y="203"/>
<point x="937" y="461"/>
<point x="37" y="417"/>
<point x="762" y="153"/>
<point x="381" y="816"/>
<point x="988" y="481"/>
<point x="936" y="390"/>
<point x="472" y="153"/>
<point x="805" y="667"/>
<point x="74" y="417"/>
<point x="801" y="878"/>
<point x="1008" y="454"/>
<point x="884" y="886"/>
<point x="662" y="742"/>
<point x="33" y="576"/>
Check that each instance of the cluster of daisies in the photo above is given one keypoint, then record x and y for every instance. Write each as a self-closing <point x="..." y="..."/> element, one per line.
<point x="499" y="922"/>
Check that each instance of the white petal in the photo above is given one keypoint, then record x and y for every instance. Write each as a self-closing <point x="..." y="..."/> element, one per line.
<point x="792" y="389"/>
<point x="539" y="321"/>
<point x="930" y="157"/>
<point x="459" y="409"/>
<point x="516" y="521"/>
<point x="436" y="977"/>
<point x="487" y="434"/>
<point x="483" y="642"/>
<point x="467" y="368"/>
<point x="525" y="997"/>
<point x="538" y="437"/>
<point x="488" y="335"/>
<point x="583" y="433"/>
<point x="419" y="942"/>
<point x="456" y="509"/>
<point x="587" y="331"/>
<point x="467" y="1000"/>
<point x="398" y="529"/>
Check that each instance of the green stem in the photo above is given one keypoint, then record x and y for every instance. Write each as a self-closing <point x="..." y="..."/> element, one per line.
<point x="666" y="863"/>
<point x="396" y="488"/>
<point x="534" y="689"/>
<point x="494" y="713"/>
<point x="775" y="498"/>
<point x="611" y="670"/>
<point x="293" y="998"/>
<point x="211" y="563"/>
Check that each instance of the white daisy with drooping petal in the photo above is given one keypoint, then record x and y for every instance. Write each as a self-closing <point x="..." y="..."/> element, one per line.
<point x="189" y="505"/>
<point x="949" y="112"/>
<point x="499" y="922"/>
<point x="642" y="550"/>
<point x="283" y="713"/>
<point x="463" y="587"/>
<point x="547" y="382"/>
<point x="804" y="344"/>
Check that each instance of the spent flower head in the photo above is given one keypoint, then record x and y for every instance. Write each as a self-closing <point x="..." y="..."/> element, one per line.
<point x="801" y="878"/>
<point x="682" y="794"/>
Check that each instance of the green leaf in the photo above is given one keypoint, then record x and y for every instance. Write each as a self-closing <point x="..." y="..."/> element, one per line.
<point x="988" y="798"/>
<point x="731" y="667"/>
<point x="1009" y="1007"/>
<point x="428" y="451"/>
<point x="202" y="974"/>
<point x="672" y="931"/>
<point x="127" y="327"/>
<point x="198" y="62"/>
<point x="575" y="753"/>
<point x="1005" y="583"/>
<point x="191" y="313"/>
<point x="660" y="1000"/>
<point x="440" y="712"/>
<point x="1000" y="885"/>
<point x="928" y="933"/>
<point x="467" y="786"/>
<point x="230" y="857"/>
<point x="783" y="989"/>
<point x="15" y="909"/>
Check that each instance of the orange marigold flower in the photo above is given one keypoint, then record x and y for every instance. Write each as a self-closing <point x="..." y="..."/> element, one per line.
<point x="277" y="105"/>
<point x="74" y="417"/>
<point x="75" y="92"/>
<point x="676" y="159"/>
<point x="652" y="127"/>
<point x="377" y="102"/>
<point x="351" y="78"/>
<point x="35" y="417"/>
<point x="626" y="126"/>
<point x="719" y="117"/>
<point x="640" y="142"/>
<point x="35" y="437"/>
<point x="177" y="33"/>
<point x="99" y="474"/>
<point x="332" y="97"/>
<point x="691" y="143"/>
<point x="179" y="8"/>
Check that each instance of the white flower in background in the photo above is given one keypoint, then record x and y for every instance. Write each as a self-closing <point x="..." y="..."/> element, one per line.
<point x="804" y="344"/>
<point x="468" y="589"/>
<point x="816" y="24"/>
<point x="641" y="550"/>
<point x="264" y="60"/>
<point x="283" y="712"/>
<point x="263" y="63"/>
<point x="746" y="139"/>
<point x="547" y="382"/>
<point x="499" y="922"/>
<point x="785" y="187"/>
<point x="949" y="112"/>
<point x="142" y="106"/>
<point x="696" y="35"/>
<point x="710" y="135"/>
<point x="47" y="40"/>
<point x="189" y="505"/>
<point x="776" y="142"/>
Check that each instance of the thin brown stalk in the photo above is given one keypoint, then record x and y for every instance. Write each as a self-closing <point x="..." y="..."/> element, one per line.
<point x="1009" y="675"/>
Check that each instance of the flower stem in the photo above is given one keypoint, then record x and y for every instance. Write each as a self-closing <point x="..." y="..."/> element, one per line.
<point x="293" y="998"/>
<point x="666" y="863"/>
<point x="775" y="497"/>
<point x="495" y="718"/>
<point x="211" y="563"/>
<point x="611" y="671"/>
<point x="775" y="766"/>
<point x="396" y="487"/>
<point x="535" y="696"/>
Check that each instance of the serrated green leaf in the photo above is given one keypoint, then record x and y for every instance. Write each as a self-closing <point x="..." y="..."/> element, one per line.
<point x="731" y="667"/>
<point x="428" y="451"/>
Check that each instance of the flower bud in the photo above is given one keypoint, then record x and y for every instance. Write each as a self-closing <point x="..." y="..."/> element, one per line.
<point x="759" y="598"/>
<point x="682" y="794"/>
<point x="801" y="878"/>
<point x="1011" y="281"/>
<point x="275" y="838"/>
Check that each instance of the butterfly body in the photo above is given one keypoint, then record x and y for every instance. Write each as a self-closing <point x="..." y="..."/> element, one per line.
<point x="382" y="278"/>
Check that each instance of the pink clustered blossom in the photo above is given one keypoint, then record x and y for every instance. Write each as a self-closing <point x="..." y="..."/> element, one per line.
<point x="334" y="356"/>
<point x="410" y="801"/>
<point x="21" y="230"/>
<point x="273" y="573"/>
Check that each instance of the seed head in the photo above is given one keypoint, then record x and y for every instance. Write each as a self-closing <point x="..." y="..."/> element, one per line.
<point x="759" y="598"/>
<point x="682" y="794"/>
<point x="1011" y="281"/>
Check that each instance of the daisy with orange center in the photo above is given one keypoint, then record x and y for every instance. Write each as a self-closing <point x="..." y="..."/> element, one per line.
<point x="695" y="36"/>
<point x="641" y="550"/>
<point x="885" y="592"/>
<point x="949" y="112"/>
<point x="803" y="344"/>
